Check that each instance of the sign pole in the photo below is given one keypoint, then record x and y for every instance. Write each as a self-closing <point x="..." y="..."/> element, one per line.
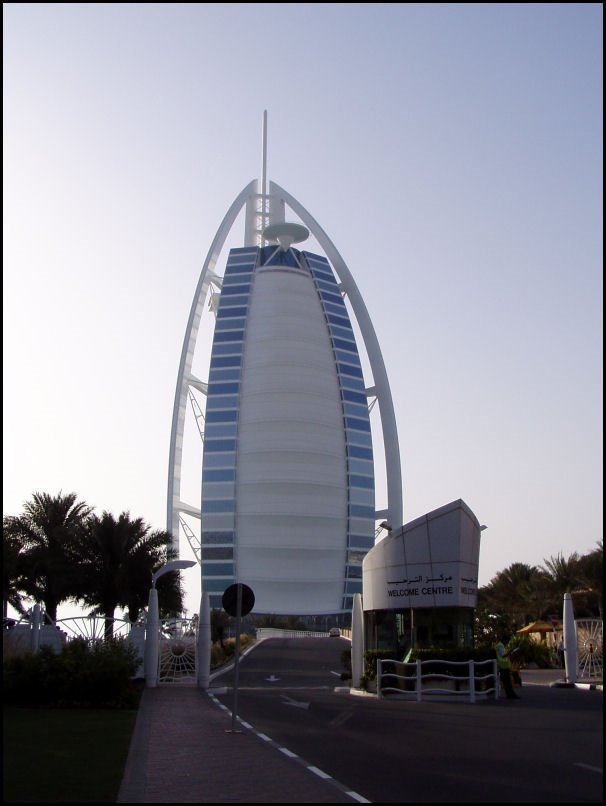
<point x="238" y="600"/>
<point x="234" y="712"/>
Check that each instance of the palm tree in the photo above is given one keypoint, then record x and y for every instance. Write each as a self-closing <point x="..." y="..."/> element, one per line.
<point x="117" y="558"/>
<point x="12" y="572"/>
<point x="590" y="572"/>
<point x="516" y="592"/>
<point x="45" y="534"/>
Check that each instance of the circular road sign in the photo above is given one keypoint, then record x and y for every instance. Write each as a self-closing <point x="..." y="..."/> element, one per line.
<point x="230" y="599"/>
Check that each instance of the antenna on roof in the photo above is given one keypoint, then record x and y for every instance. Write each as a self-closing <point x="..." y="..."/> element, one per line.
<point x="286" y="233"/>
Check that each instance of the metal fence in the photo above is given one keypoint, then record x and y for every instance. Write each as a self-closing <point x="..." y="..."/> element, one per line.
<point x="438" y="679"/>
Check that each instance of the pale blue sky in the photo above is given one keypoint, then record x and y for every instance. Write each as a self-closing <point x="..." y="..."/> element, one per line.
<point x="452" y="152"/>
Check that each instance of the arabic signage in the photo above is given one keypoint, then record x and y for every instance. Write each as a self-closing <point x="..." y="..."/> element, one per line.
<point x="430" y="562"/>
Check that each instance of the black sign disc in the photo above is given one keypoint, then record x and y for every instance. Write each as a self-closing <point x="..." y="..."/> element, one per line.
<point x="230" y="599"/>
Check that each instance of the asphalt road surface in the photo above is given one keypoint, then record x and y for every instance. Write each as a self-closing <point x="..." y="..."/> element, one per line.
<point x="544" y="747"/>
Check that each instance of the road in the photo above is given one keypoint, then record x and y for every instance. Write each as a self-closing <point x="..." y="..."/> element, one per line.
<point x="547" y="746"/>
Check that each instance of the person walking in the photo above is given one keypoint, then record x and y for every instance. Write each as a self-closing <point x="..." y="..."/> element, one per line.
<point x="504" y="665"/>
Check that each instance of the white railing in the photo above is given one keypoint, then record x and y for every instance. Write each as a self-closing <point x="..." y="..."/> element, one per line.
<point x="275" y="632"/>
<point x="438" y="678"/>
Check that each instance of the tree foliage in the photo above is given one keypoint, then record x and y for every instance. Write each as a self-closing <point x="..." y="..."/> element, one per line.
<point x="521" y="593"/>
<point x="116" y="558"/>
<point x="59" y="550"/>
<point x="44" y="535"/>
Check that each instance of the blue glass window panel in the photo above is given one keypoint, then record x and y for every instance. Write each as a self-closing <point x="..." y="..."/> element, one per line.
<point x="347" y="358"/>
<point x="230" y="335"/>
<point x="356" y="557"/>
<point x="340" y="332"/>
<point x="322" y="274"/>
<point x="216" y="586"/>
<point x="219" y="416"/>
<point x="349" y="369"/>
<point x="214" y="490"/>
<point x="228" y="290"/>
<point x="349" y="382"/>
<point x="215" y="388"/>
<point x="235" y="284"/>
<point x="364" y="497"/>
<point x="328" y="297"/>
<point x="357" y="424"/>
<point x="238" y="273"/>
<point x="230" y="313"/>
<point x="354" y="397"/>
<point x="353" y="586"/>
<point x="219" y="445"/>
<point x="222" y="402"/>
<point x="224" y="374"/>
<point x="359" y="452"/>
<point x="217" y="538"/>
<point x="235" y="266"/>
<point x="218" y="569"/>
<point x="226" y="361"/>
<point x="355" y="410"/>
<point x="361" y="542"/>
<point x="215" y="600"/>
<point x="223" y="474"/>
<point x="275" y="256"/>
<point x="361" y="481"/>
<point x="233" y="302"/>
<point x="225" y="505"/>
<point x="214" y="460"/>
<point x="227" y="349"/>
<point x="229" y="324"/>
<point x="219" y="553"/>
<point x="238" y="252"/>
<point x="347" y="603"/>
<point x="337" y="310"/>
<point x="359" y="438"/>
<point x="216" y="430"/>
<point x="360" y="467"/>
<point x="344" y="344"/>
<point x="354" y="571"/>
<point x="219" y="521"/>
<point x="323" y="286"/>
<point x="359" y="511"/>
<point x="342" y="321"/>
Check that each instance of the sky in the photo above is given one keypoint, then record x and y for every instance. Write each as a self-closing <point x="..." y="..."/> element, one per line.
<point x="453" y="154"/>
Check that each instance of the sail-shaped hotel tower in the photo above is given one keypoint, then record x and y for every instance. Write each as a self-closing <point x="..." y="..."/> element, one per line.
<point x="288" y="479"/>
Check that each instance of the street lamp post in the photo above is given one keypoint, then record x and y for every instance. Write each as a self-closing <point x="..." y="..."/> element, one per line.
<point x="153" y="621"/>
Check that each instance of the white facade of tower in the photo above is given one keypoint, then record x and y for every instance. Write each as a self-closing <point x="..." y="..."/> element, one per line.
<point x="291" y="480"/>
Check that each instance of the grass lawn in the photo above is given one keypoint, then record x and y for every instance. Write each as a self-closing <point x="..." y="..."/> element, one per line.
<point x="55" y="755"/>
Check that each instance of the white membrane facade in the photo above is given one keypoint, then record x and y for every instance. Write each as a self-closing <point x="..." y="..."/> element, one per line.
<point x="288" y="489"/>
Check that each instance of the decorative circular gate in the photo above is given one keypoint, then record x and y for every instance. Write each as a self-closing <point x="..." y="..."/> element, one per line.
<point x="590" y="647"/>
<point x="177" y="651"/>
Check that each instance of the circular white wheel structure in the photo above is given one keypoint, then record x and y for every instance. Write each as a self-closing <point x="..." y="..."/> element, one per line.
<point x="269" y="512"/>
<point x="590" y="647"/>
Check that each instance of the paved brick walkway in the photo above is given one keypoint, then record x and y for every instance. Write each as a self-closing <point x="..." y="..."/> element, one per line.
<point x="183" y="751"/>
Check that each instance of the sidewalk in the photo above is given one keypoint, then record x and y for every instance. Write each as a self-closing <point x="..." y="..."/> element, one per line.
<point x="183" y="751"/>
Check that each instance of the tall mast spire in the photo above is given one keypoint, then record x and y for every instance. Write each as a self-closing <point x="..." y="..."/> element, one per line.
<point x="264" y="158"/>
<point x="257" y="208"/>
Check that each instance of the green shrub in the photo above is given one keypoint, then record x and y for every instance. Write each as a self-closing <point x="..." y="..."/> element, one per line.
<point x="97" y="675"/>
<point x="371" y="656"/>
<point x="222" y="654"/>
<point x="530" y="651"/>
